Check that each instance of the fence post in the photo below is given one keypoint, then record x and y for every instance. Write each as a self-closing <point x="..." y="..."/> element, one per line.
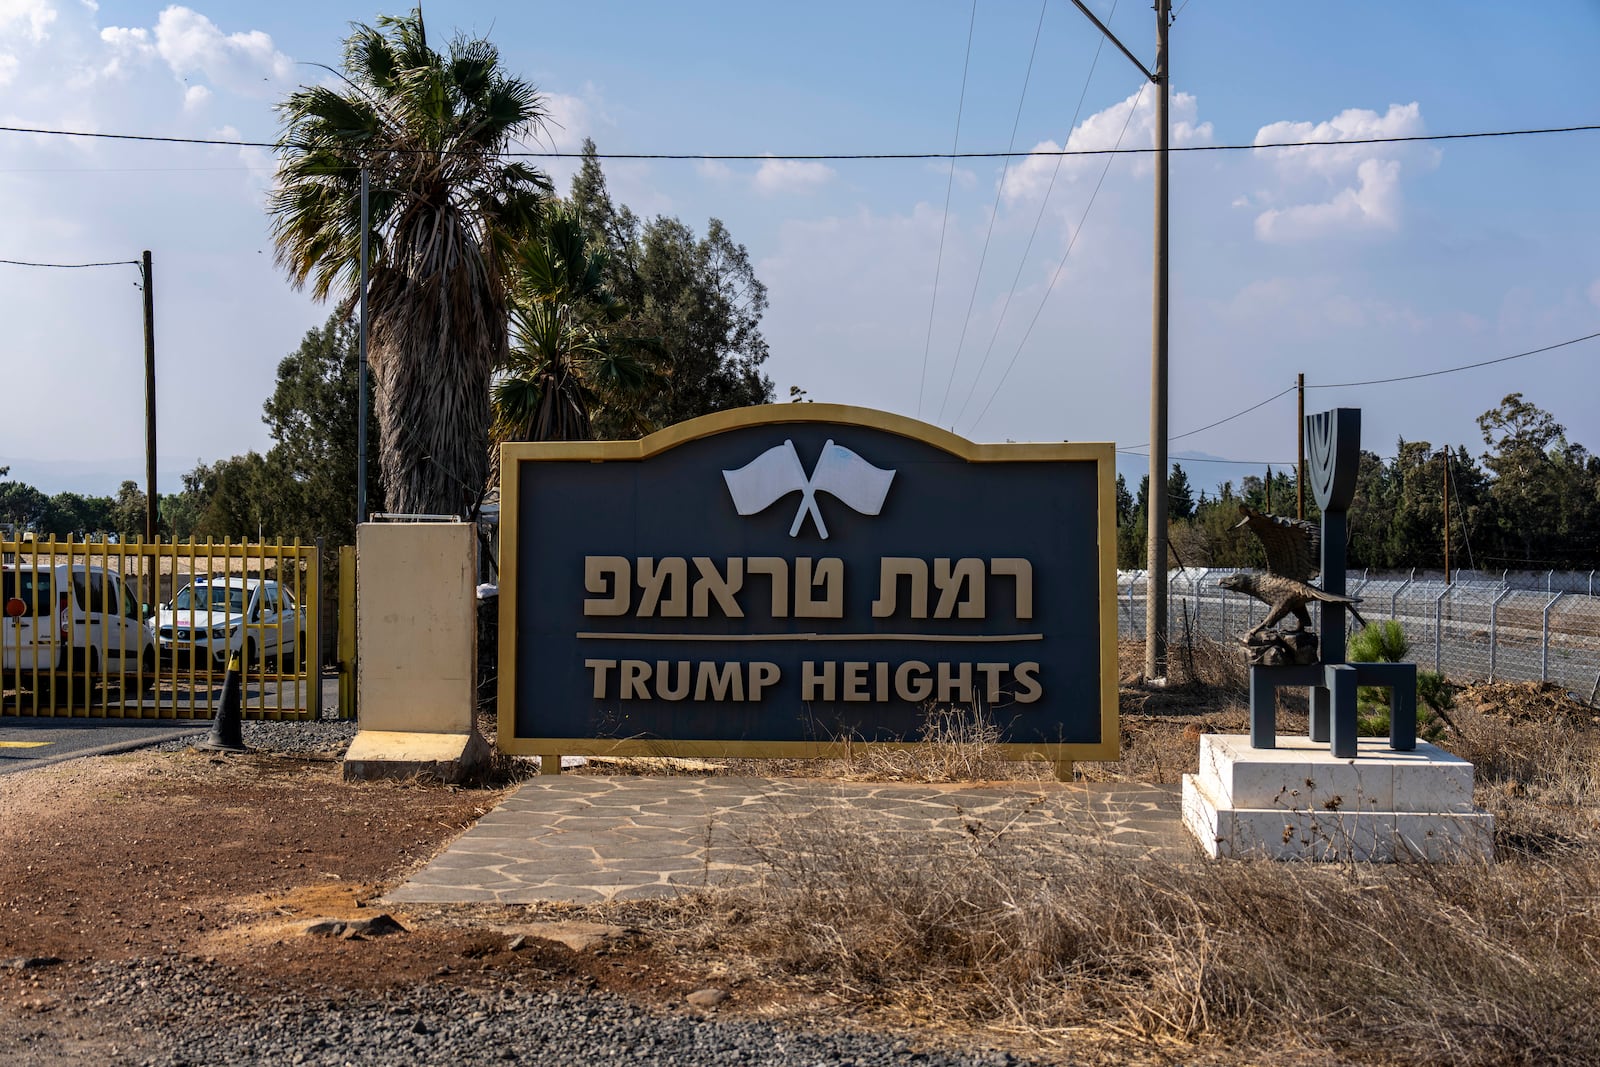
<point x="1494" y="629"/>
<point x="1224" y="590"/>
<point x="1438" y="628"/>
<point x="1544" y="651"/>
<point x="1395" y="599"/>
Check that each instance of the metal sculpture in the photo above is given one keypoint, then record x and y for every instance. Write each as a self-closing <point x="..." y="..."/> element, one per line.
<point x="1291" y="547"/>
<point x="1294" y="657"/>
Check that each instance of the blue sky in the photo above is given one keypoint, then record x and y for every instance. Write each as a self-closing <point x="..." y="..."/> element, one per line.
<point x="1346" y="263"/>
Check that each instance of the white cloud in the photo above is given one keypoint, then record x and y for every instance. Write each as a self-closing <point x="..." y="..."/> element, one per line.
<point x="245" y="63"/>
<point x="1594" y="293"/>
<point x="1372" y="204"/>
<point x="195" y="97"/>
<point x="8" y="68"/>
<point x="792" y="176"/>
<point x="568" y="120"/>
<point x="1339" y="190"/>
<point x="36" y="15"/>
<point x="713" y="170"/>
<point x="1129" y="123"/>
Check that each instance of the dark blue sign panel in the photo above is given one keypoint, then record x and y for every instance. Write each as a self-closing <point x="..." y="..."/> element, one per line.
<point x="777" y="581"/>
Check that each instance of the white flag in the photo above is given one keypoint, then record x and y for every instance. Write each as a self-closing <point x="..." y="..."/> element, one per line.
<point x="777" y="472"/>
<point x="842" y="473"/>
<point x="763" y="481"/>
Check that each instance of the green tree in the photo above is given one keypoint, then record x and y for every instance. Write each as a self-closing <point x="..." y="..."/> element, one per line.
<point x="570" y="364"/>
<point x="1180" y="496"/>
<point x="312" y="417"/>
<point x="23" y="505"/>
<point x="697" y="299"/>
<point x="446" y="209"/>
<point x="127" y="514"/>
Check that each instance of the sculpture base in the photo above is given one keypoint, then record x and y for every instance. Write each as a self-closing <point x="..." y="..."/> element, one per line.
<point x="449" y="758"/>
<point x="1297" y="801"/>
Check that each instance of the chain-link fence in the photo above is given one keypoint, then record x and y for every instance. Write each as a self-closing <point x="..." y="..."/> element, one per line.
<point x="1509" y="627"/>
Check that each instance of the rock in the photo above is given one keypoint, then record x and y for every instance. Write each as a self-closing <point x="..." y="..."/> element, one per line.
<point x="29" y="963"/>
<point x="353" y="929"/>
<point x="578" y="936"/>
<point x="707" y="998"/>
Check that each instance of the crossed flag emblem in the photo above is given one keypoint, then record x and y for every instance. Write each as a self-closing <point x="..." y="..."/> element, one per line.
<point x="839" y="472"/>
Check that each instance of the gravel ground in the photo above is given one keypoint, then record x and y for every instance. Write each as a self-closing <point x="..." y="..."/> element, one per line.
<point x="290" y="738"/>
<point x="438" y="1024"/>
<point x="173" y="1014"/>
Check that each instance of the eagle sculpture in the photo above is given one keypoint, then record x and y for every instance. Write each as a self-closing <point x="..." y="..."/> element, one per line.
<point x="1292" y="547"/>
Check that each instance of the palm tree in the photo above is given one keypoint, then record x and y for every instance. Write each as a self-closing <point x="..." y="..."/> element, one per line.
<point x="568" y="366"/>
<point x="446" y="211"/>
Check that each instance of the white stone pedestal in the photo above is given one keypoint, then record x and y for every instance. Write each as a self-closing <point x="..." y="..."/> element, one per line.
<point x="1297" y="801"/>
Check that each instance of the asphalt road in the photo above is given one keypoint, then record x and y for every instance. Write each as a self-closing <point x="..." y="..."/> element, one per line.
<point x="29" y="743"/>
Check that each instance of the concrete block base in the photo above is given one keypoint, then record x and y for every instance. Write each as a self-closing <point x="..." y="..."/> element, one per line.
<point x="449" y="758"/>
<point x="1298" y="801"/>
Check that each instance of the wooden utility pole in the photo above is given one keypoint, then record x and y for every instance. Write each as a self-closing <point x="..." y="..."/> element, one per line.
<point x="1155" y="614"/>
<point x="152" y="518"/>
<point x="1155" y="627"/>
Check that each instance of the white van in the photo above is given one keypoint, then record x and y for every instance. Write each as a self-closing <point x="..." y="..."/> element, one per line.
<point x="76" y="617"/>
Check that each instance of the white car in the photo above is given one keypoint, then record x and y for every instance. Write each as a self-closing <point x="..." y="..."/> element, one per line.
<point x="72" y="616"/>
<point x="212" y="618"/>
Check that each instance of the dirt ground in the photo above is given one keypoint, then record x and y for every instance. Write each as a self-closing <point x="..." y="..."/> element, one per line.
<point x="225" y="859"/>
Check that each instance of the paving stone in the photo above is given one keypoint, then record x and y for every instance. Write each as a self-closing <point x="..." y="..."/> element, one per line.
<point x="586" y="838"/>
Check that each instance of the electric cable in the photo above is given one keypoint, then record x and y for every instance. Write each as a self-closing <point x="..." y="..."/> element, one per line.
<point x="1219" y="422"/>
<point x="1455" y="370"/>
<point x="1005" y="308"/>
<point x="848" y="156"/>
<point x="938" y="265"/>
<point x="994" y="213"/>
<point x="71" y="266"/>
<point x="1071" y="244"/>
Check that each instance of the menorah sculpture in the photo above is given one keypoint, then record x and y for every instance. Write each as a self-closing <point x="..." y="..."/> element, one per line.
<point x="1296" y="656"/>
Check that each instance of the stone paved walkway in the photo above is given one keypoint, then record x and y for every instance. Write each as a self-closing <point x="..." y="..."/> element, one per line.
<point x="585" y="839"/>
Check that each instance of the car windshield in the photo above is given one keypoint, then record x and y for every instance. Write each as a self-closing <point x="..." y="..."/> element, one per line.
<point x="210" y="598"/>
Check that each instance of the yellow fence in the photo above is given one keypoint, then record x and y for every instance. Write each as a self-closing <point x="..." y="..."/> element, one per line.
<point x="147" y="630"/>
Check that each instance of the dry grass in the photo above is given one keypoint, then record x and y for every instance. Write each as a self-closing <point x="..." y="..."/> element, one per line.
<point x="1113" y="958"/>
<point x="1399" y="964"/>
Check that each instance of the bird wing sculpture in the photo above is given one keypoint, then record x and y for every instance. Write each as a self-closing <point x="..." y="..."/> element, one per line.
<point x="1292" y="547"/>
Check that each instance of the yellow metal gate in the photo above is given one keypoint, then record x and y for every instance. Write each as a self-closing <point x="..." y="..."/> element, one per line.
<point x="147" y="630"/>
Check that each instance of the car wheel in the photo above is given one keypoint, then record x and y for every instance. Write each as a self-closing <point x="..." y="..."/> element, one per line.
<point x="300" y="650"/>
<point x="250" y="656"/>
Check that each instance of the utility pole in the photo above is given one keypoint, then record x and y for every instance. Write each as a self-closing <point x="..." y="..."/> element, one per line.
<point x="1446" y="514"/>
<point x="1300" y="456"/>
<point x="1155" y="615"/>
<point x="361" y="377"/>
<point x="152" y="524"/>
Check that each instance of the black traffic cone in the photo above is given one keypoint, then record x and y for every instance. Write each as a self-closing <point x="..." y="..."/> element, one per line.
<point x="227" y="729"/>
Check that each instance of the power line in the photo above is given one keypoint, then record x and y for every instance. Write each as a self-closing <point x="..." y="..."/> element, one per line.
<point x="994" y="213"/>
<point x="1455" y="370"/>
<point x="1044" y="202"/>
<point x="71" y="266"/>
<point x="1071" y="244"/>
<point x="1230" y="418"/>
<point x="847" y="156"/>
<point x="938" y="265"/>
<point x="1199" y="459"/>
